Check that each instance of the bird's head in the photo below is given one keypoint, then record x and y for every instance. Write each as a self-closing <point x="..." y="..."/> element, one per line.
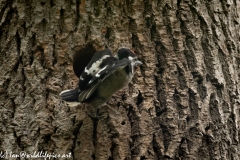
<point x="128" y="54"/>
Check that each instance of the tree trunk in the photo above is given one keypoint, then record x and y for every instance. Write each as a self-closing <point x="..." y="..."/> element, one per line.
<point x="183" y="102"/>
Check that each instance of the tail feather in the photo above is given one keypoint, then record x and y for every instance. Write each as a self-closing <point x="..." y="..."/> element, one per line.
<point x="70" y="95"/>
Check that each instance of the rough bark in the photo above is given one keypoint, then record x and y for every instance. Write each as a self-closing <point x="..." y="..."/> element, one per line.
<point x="183" y="102"/>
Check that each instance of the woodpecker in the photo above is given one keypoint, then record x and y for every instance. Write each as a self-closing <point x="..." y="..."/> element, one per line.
<point x="104" y="75"/>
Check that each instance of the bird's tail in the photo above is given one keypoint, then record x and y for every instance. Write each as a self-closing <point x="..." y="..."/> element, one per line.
<point x="70" y="96"/>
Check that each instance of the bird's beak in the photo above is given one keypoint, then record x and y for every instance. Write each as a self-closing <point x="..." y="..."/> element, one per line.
<point x="138" y="63"/>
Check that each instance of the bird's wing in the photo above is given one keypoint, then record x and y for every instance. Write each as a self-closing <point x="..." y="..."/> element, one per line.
<point x="101" y="76"/>
<point x="98" y="61"/>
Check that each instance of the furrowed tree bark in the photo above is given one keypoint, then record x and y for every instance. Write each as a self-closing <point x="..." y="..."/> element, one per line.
<point x="183" y="102"/>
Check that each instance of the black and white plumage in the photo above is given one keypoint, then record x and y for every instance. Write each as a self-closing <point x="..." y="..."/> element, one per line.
<point x="102" y="77"/>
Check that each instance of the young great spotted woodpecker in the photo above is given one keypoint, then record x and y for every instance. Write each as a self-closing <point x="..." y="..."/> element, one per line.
<point x="102" y="77"/>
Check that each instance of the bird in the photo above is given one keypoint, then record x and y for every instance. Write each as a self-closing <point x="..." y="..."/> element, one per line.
<point x="104" y="75"/>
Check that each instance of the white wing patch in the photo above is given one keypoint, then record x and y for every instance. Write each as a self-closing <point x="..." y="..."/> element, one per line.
<point x="81" y="78"/>
<point x="98" y="75"/>
<point x="87" y="71"/>
<point x="95" y="65"/>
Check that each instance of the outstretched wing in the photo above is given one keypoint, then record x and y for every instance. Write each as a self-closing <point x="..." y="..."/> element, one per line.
<point x="102" y="75"/>
<point x="98" y="61"/>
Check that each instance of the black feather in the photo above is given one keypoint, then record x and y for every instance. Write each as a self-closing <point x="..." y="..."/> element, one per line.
<point x="86" y="77"/>
<point x="83" y="82"/>
<point x="125" y="53"/>
<point x="102" y="75"/>
<point x="99" y="55"/>
<point x="70" y="95"/>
